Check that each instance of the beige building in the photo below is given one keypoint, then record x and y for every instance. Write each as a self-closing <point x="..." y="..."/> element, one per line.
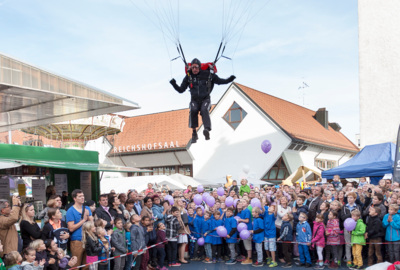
<point x="379" y="68"/>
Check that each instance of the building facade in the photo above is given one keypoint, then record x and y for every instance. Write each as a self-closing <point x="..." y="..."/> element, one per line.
<point x="241" y="120"/>
<point x="379" y="65"/>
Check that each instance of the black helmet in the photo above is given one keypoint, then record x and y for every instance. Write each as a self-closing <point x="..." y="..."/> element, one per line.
<point x="196" y="61"/>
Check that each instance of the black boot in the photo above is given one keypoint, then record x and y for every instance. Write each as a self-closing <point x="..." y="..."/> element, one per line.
<point x="206" y="133"/>
<point x="194" y="136"/>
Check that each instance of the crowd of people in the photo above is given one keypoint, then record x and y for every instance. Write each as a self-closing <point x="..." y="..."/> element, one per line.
<point x="252" y="226"/>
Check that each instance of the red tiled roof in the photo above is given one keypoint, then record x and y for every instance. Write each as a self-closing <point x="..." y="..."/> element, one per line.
<point x="164" y="127"/>
<point x="297" y="121"/>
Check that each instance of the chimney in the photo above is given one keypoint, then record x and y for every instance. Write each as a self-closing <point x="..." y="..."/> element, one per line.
<point x="335" y="126"/>
<point x="322" y="117"/>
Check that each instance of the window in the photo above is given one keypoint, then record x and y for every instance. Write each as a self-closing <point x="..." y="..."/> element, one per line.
<point x="277" y="172"/>
<point x="325" y="164"/>
<point x="235" y="115"/>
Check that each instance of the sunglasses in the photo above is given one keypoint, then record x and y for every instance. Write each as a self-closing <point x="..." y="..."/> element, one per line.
<point x="194" y="67"/>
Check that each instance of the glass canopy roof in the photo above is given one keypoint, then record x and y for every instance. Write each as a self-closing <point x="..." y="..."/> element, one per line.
<point x="30" y="96"/>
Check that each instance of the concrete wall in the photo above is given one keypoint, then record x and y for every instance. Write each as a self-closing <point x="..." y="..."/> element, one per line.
<point x="229" y="151"/>
<point x="379" y="69"/>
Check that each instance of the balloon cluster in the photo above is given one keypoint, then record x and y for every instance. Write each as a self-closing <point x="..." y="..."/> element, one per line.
<point x="206" y="197"/>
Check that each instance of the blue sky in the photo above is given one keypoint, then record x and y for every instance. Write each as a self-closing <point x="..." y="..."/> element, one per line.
<point x="112" y="45"/>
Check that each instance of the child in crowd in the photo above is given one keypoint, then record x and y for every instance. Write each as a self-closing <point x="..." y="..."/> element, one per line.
<point x="13" y="260"/>
<point x="286" y="234"/>
<point x="41" y="253"/>
<point x="119" y="243"/>
<point x="105" y="248"/>
<point x="303" y="235"/>
<point x="332" y="232"/>
<point x="51" y="249"/>
<point x="129" y="258"/>
<point x="172" y="228"/>
<point x="231" y="239"/>
<point x="324" y="211"/>
<point x="216" y="240"/>
<point x="137" y="239"/>
<point x="318" y="239"/>
<point x="357" y="239"/>
<point x="258" y="235"/>
<point x="145" y="223"/>
<point x="160" y="249"/>
<point x="91" y="243"/>
<point x="207" y="229"/>
<point x="191" y="217"/>
<point x="198" y="252"/>
<point x="270" y="234"/>
<point x="245" y="216"/>
<point x="391" y="222"/>
<point x="244" y="188"/>
<point x="374" y="233"/>
<point x="62" y="259"/>
<point x="29" y="263"/>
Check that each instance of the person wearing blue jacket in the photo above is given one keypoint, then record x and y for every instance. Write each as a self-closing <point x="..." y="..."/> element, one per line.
<point x="231" y="239"/>
<point x="270" y="234"/>
<point x="391" y="222"/>
<point x="303" y="236"/>
<point x="197" y="233"/>
<point x="216" y="239"/>
<point x="207" y="229"/>
<point x="245" y="217"/>
<point x="158" y="211"/>
<point x="192" y="240"/>
<point x="258" y="235"/>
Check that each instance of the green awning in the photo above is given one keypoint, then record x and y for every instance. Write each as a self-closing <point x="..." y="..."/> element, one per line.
<point x="47" y="157"/>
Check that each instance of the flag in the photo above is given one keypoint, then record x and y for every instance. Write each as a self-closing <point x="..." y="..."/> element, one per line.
<point x="396" y="165"/>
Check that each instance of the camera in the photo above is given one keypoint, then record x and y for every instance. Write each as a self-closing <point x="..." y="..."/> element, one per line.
<point x="369" y="190"/>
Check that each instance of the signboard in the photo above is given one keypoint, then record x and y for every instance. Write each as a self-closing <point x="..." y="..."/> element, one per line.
<point x="86" y="184"/>
<point x="39" y="190"/>
<point x="4" y="188"/>
<point x="61" y="183"/>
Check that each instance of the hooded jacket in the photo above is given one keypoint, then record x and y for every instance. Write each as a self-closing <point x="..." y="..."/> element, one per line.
<point x="303" y="233"/>
<point x="357" y="235"/>
<point x="375" y="228"/>
<point x="318" y="234"/>
<point x="286" y="231"/>
<point x="30" y="266"/>
<point x="334" y="231"/>
<point x="137" y="237"/>
<point x="392" y="228"/>
<point x="118" y="242"/>
<point x="158" y="214"/>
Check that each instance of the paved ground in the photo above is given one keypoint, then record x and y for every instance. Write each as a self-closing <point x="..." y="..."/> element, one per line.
<point x="222" y="266"/>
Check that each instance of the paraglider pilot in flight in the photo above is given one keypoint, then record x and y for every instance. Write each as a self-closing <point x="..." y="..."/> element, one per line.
<point x="201" y="83"/>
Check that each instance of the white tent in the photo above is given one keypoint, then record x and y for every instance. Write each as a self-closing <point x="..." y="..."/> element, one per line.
<point x="139" y="183"/>
<point x="184" y="180"/>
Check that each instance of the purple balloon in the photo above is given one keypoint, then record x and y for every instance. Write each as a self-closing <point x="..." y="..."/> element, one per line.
<point x="200" y="188"/>
<point x="237" y="218"/>
<point x="244" y="234"/>
<point x="235" y="202"/>
<point x="266" y="146"/>
<point x="241" y="227"/>
<point x="197" y="199"/>
<point x="220" y="191"/>
<point x="257" y="204"/>
<point x="254" y="202"/>
<point x="229" y="201"/>
<point x="170" y="199"/>
<point x="200" y="241"/>
<point x="205" y="195"/>
<point x="350" y="224"/>
<point x="202" y="207"/>
<point x="210" y="201"/>
<point x="221" y="231"/>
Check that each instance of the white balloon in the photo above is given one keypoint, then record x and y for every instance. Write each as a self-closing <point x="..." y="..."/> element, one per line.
<point x="246" y="168"/>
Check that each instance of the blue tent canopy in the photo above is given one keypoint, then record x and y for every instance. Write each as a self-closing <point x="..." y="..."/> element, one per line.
<point x="372" y="161"/>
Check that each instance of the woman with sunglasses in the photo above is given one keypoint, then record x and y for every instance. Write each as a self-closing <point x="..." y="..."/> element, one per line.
<point x="30" y="230"/>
